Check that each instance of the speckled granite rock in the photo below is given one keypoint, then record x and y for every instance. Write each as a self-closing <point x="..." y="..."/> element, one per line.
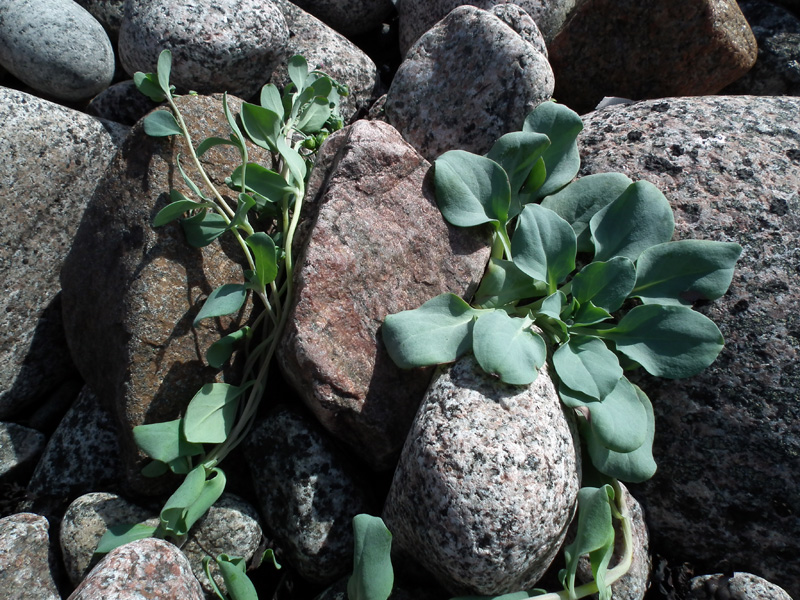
<point x="308" y="492"/>
<point x="19" y="446"/>
<point x="487" y="482"/>
<point x="349" y="17"/>
<point x="642" y="50"/>
<point x="56" y="47"/>
<point x="25" y="560"/>
<point x="741" y="586"/>
<point x="149" y="568"/>
<point x="82" y="454"/>
<point x="467" y="81"/>
<point x="727" y="440"/>
<point x="777" y="70"/>
<point x="217" y="46"/>
<point x="51" y="158"/>
<point x="108" y="12"/>
<point x="417" y="16"/>
<point x="376" y="244"/>
<point x="520" y="21"/>
<point x="137" y="350"/>
<point x="331" y="53"/>
<point x="121" y="103"/>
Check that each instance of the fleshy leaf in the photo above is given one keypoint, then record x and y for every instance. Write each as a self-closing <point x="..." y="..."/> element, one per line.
<point x="211" y="142"/>
<point x="313" y="117"/>
<point x="271" y="99"/>
<point x="585" y="364"/>
<point x="220" y="351"/>
<point x="234" y="574"/>
<point x="298" y="71"/>
<point x="517" y="153"/>
<point x="506" y="346"/>
<point x="224" y="300"/>
<point x="161" y="123"/>
<point x="125" y="533"/>
<point x="192" y="499"/>
<point x="211" y="413"/>
<point x="373" y="575"/>
<point x="295" y="162"/>
<point x="543" y="245"/>
<point x="504" y="283"/>
<point x="263" y="181"/>
<point x="606" y="284"/>
<point x="178" y="206"/>
<point x="262" y="125"/>
<point x="265" y="255"/>
<point x="147" y="84"/>
<point x="203" y="228"/>
<point x="164" y="441"/>
<point x="163" y="69"/>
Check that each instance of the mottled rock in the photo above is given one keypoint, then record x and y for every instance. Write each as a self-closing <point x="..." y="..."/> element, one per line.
<point x="217" y="46"/>
<point x="86" y="520"/>
<point x="375" y="244"/>
<point x="728" y="439"/>
<point x="19" y="446"/>
<point x="146" y="569"/>
<point x="108" y="12"/>
<point x="25" y="558"/>
<point x="487" y="481"/>
<point x="467" y="81"/>
<point x="331" y="53"/>
<point x="51" y="159"/>
<point x="417" y="16"/>
<point x="121" y="103"/>
<point x="56" y="47"/>
<point x="83" y="452"/>
<point x="777" y="69"/>
<point x="520" y="21"/>
<point x="642" y="50"/>
<point x="131" y="291"/>
<point x="742" y="586"/>
<point x="308" y="492"/>
<point x="349" y="17"/>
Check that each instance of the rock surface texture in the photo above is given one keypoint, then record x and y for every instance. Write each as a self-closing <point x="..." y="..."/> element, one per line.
<point x="487" y="482"/>
<point x="655" y="49"/>
<point x="376" y="244"/>
<point x="727" y="440"/>
<point x="19" y="446"/>
<point x="467" y="81"/>
<point x="26" y="565"/>
<point x="742" y="586"/>
<point x="51" y="159"/>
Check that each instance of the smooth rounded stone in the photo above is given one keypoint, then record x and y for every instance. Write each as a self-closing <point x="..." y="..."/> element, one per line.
<point x="51" y="159"/>
<point x="25" y="560"/>
<point x="308" y="492"/>
<point x="121" y="103"/>
<point x="148" y="569"/>
<point x="467" y="81"/>
<point x="19" y="446"/>
<point x="349" y="17"/>
<point x="376" y="244"/>
<point x="331" y="53"/>
<point x="83" y="452"/>
<point x="777" y="69"/>
<point x="649" y="49"/>
<point x="487" y="482"/>
<point x="85" y="521"/>
<point x="108" y="12"/>
<point x="131" y="291"/>
<point x="741" y="586"/>
<point x="418" y="16"/>
<point x="727" y="440"/>
<point x="229" y="527"/>
<point x="56" y="47"/>
<point x="520" y="21"/>
<point x="217" y="46"/>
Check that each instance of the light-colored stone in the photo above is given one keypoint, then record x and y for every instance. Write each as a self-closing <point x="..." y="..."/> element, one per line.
<point x="349" y="17"/>
<point x="742" y="586"/>
<point x="51" y="159"/>
<point x="25" y="560"/>
<point x="56" y="47"/>
<point x="375" y="244"/>
<point x="466" y="82"/>
<point x="19" y="446"/>
<point x="487" y="481"/>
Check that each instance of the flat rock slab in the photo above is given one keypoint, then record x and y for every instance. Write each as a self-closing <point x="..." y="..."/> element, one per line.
<point x="376" y="244"/>
<point x="727" y="440"/>
<point x="487" y="482"/>
<point x="651" y="49"/>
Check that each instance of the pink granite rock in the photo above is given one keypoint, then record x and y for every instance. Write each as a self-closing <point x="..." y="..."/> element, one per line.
<point x="25" y="560"/>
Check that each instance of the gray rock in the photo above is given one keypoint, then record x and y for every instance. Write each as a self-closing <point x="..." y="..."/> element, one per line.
<point x="19" y="446"/>
<point x="375" y="244"/>
<point x="149" y="568"/>
<point x="51" y="159"/>
<point x="520" y="21"/>
<point x="727" y="440"/>
<point x="467" y="81"/>
<point x="650" y="50"/>
<point x="742" y="586"/>
<point x="86" y="520"/>
<point x="331" y="53"/>
<point x="82" y="454"/>
<point x="131" y="291"/>
<point x="108" y="12"/>
<point x="418" y="16"/>
<point x="25" y="558"/>
<point x="777" y="69"/>
<point x="217" y="46"/>
<point x="308" y="492"/>
<point x="121" y="103"/>
<point x="487" y="481"/>
<point x="56" y="47"/>
<point x="349" y="17"/>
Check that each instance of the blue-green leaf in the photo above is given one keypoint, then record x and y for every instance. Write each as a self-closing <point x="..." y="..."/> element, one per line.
<point x="295" y="162"/>
<point x="263" y="181"/>
<point x="505" y="346"/>
<point x="224" y="300"/>
<point x="585" y="364"/>
<point x="211" y="142"/>
<point x="178" y="206"/>
<point x="517" y="153"/>
<point x="124" y="533"/>
<point x="164" y="441"/>
<point x="504" y="283"/>
<point x="606" y="284"/>
<point x="373" y="575"/>
<point x="220" y="351"/>
<point x="203" y="228"/>
<point x="211" y="414"/>
<point x="262" y="125"/>
<point x="234" y="574"/>
<point x="161" y="123"/>
<point x="198" y="492"/>
<point x="553" y="305"/>
<point x="298" y="71"/>
<point x="543" y="245"/>
<point x="271" y="99"/>
<point x="588" y="314"/>
<point x="313" y="117"/>
<point x="163" y="69"/>
<point x="265" y="254"/>
<point x="147" y="84"/>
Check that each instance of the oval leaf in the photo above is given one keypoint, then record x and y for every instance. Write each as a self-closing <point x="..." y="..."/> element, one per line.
<point x="518" y="152"/>
<point x="504" y="284"/>
<point x="174" y="210"/>
<point x="506" y="346"/>
<point x="124" y="533"/>
<point x="236" y="580"/>
<point x="161" y="123"/>
<point x="220" y="351"/>
<point x="262" y="125"/>
<point x="271" y="99"/>
<point x="543" y="245"/>
<point x="203" y="228"/>
<point x="605" y="284"/>
<point x="211" y="414"/>
<point x="373" y="575"/>
<point x="164" y="441"/>
<point x="163" y="69"/>
<point x="585" y="364"/>
<point x="298" y="71"/>
<point x="265" y="254"/>
<point x="224" y="300"/>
